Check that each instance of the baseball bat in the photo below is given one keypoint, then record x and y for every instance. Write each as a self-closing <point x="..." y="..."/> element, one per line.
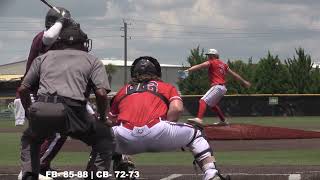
<point x="56" y="9"/>
<point x="50" y="6"/>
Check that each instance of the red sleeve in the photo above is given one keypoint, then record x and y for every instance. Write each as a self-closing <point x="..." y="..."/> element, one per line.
<point x="114" y="109"/>
<point x="174" y="95"/>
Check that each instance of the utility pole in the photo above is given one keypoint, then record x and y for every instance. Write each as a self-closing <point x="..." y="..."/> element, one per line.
<point x="125" y="51"/>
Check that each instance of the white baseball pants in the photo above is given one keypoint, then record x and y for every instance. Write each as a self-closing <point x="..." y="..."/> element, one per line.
<point x="163" y="136"/>
<point x="214" y="95"/>
<point x="19" y="113"/>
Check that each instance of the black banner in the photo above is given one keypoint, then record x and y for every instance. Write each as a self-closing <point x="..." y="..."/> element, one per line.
<point x="260" y="105"/>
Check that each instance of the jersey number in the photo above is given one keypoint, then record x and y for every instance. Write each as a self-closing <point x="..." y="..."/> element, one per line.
<point x="142" y="87"/>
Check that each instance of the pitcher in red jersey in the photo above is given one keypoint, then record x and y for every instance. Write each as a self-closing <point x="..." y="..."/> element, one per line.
<point x="217" y="71"/>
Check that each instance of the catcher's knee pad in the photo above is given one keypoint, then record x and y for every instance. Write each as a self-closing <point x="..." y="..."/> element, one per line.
<point x="199" y="146"/>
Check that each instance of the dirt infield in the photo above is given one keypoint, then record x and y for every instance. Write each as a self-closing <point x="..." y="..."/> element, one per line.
<point x="256" y="132"/>
<point x="236" y="172"/>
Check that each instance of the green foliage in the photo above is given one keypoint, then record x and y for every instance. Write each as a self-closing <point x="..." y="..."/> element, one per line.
<point x="110" y="69"/>
<point x="197" y="82"/>
<point x="268" y="76"/>
<point x="271" y="76"/>
<point x="245" y="70"/>
<point x="300" y="71"/>
<point x="315" y="85"/>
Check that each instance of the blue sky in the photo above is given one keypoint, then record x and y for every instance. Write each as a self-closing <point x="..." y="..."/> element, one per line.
<point x="168" y="29"/>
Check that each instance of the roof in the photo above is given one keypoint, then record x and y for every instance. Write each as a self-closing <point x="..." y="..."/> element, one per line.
<point x="106" y="61"/>
<point x="119" y="62"/>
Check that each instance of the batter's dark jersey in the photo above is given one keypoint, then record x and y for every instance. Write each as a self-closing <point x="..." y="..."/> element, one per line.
<point x="37" y="49"/>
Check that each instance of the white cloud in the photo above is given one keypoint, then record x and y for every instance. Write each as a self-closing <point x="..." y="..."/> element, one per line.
<point x="170" y="28"/>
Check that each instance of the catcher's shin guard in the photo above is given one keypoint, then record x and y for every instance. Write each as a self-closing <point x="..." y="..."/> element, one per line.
<point x="123" y="162"/>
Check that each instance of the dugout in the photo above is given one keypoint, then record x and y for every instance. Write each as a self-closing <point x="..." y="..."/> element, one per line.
<point x="260" y="105"/>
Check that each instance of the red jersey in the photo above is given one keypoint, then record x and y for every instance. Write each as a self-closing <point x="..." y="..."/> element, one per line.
<point x="37" y="49"/>
<point x="217" y="72"/>
<point x="138" y="104"/>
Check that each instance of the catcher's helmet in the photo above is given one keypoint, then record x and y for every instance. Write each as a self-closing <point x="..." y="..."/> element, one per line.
<point x="73" y="34"/>
<point x="52" y="16"/>
<point x="145" y="65"/>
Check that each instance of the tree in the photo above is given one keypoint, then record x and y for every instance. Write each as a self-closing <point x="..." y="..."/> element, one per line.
<point x="315" y="85"/>
<point x="110" y="69"/>
<point x="300" y="71"/>
<point x="246" y="70"/>
<point x="197" y="82"/>
<point x="271" y="76"/>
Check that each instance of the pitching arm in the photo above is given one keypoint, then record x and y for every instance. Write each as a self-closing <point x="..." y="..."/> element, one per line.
<point x="235" y="75"/>
<point x="199" y="66"/>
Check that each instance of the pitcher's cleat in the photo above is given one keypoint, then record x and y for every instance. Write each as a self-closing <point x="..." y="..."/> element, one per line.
<point x="221" y="123"/>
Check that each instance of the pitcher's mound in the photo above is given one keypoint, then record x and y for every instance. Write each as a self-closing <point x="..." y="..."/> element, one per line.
<point x="255" y="132"/>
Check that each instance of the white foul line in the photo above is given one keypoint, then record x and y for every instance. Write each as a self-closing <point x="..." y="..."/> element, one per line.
<point x="294" y="177"/>
<point x="172" y="176"/>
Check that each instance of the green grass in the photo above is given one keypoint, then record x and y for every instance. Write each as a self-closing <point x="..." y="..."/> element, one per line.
<point x="250" y="158"/>
<point x="10" y="148"/>
<point x="9" y="155"/>
<point x="312" y="122"/>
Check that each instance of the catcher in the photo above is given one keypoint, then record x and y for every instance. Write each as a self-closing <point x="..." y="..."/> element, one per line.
<point x="147" y="110"/>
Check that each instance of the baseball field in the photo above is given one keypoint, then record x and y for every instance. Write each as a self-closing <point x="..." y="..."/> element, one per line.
<point x="283" y="159"/>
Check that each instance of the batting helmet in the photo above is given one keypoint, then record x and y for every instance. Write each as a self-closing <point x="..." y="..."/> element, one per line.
<point x="52" y="16"/>
<point x="145" y="65"/>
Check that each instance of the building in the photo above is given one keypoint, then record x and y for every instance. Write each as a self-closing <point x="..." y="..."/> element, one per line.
<point x="169" y="72"/>
<point x="14" y="71"/>
<point x="316" y="64"/>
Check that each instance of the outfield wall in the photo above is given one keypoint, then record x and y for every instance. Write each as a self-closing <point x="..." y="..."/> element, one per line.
<point x="261" y="105"/>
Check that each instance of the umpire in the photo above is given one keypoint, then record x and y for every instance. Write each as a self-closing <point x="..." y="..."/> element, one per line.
<point x="66" y="75"/>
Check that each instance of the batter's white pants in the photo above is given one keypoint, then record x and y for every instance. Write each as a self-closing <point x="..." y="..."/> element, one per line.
<point x="164" y="136"/>
<point x="214" y="95"/>
<point x="19" y="113"/>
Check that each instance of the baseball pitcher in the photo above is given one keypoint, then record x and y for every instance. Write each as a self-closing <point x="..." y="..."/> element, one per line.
<point x="217" y="71"/>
